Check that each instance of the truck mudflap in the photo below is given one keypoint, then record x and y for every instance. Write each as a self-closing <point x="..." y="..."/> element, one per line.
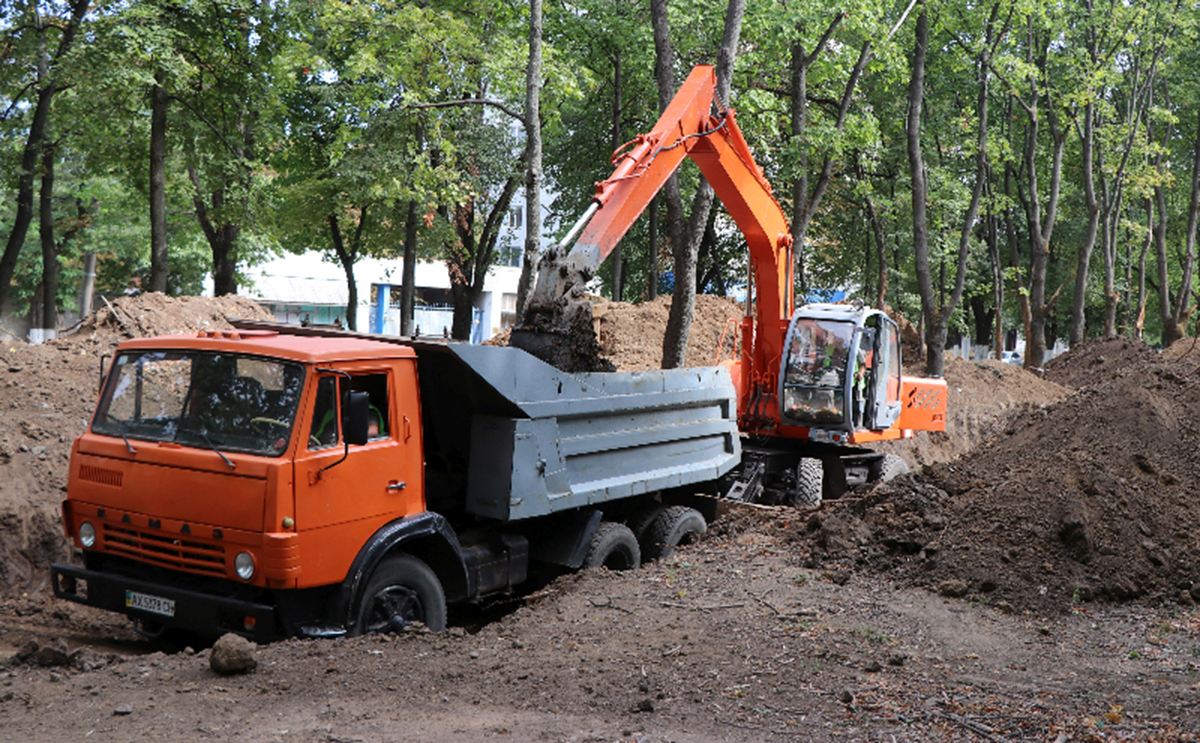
<point x="157" y="604"/>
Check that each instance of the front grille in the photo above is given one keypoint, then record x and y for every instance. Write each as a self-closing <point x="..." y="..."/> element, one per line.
<point x="161" y="549"/>
<point x="101" y="475"/>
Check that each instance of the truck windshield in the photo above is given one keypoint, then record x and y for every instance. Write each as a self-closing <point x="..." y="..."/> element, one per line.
<point x="814" y="381"/>
<point x="217" y="401"/>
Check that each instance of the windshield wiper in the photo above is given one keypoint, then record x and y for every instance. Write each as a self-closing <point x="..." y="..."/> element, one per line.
<point x="220" y="453"/>
<point x="124" y="438"/>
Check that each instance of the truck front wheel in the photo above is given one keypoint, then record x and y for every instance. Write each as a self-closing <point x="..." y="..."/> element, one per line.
<point x="402" y="590"/>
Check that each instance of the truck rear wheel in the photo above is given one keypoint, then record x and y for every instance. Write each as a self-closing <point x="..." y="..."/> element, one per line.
<point x="672" y="527"/>
<point x="402" y="590"/>
<point x="614" y="547"/>
<point x="810" y="477"/>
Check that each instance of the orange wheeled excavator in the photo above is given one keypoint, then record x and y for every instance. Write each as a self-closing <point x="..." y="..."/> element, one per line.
<point x="813" y="384"/>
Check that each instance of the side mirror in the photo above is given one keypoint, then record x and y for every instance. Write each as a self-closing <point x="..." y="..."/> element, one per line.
<point x="355" y="411"/>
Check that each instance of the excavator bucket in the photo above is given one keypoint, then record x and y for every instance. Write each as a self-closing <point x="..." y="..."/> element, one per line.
<point x="562" y="335"/>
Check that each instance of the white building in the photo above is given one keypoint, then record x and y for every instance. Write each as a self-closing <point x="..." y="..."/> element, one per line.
<point x="304" y="287"/>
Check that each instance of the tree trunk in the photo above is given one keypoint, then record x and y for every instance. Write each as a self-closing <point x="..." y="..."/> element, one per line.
<point x="1139" y="323"/>
<point x="1183" y="301"/>
<point x="158" y="185"/>
<point x="616" y="258"/>
<point x="1040" y="228"/>
<point x="652" y="281"/>
<point x="683" y="300"/>
<point x="934" y="344"/>
<point x="993" y="243"/>
<point x="664" y="75"/>
<point x="347" y="256"/>
<point x="408" y="278"/>
<point x="1171" y="330"/>
<point x="88" y="288"/>
<point x="49" y="324"/>
<point x="533" y="167"/>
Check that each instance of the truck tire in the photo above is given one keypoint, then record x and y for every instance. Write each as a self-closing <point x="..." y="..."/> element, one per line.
<point x="614" y="547"/>
<point x="810" y="477"/>
<point x="402" y="590"/>
<point x="889" y="468"/>
<point x="640" y="523"/>
<point x="672" y="527"/>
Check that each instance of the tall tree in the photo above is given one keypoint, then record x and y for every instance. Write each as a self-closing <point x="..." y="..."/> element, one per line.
<point x="936" y="315"/>
<point x="533" y="160"/>
<point x="46" y="38"/>
<point x="685" y="239"/>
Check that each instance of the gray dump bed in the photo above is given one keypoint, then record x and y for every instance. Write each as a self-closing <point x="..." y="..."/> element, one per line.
<point x="533" y="440"/>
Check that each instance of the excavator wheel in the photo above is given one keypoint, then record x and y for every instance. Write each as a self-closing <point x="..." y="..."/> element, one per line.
<point x="888" y="468"/>
<point x="810" y="477"/>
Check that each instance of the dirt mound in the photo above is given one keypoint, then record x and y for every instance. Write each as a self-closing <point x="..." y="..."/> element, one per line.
<point x="1090" y="498"/>
<point x="146" y="315"/>
<point x="631" y="335"/>
<point x="983" y="398"/>
<point x="1184" y="348"/>
<point x="47" y="393"/>
<point x="1098" y="361"/>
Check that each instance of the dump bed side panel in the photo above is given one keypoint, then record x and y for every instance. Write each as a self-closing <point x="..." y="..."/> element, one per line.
<point x="536" y="440"/>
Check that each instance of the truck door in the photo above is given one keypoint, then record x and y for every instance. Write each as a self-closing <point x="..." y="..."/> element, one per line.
<point x="345" y="493"/>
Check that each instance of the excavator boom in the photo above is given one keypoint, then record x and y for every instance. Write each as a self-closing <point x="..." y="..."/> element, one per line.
<point x="687" y="128"/>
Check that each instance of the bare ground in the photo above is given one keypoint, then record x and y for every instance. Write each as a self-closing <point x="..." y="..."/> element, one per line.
<point x="1034" y="584"/>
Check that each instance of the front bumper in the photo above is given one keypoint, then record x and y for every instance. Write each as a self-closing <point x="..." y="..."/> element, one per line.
<point x="202" y="613"/>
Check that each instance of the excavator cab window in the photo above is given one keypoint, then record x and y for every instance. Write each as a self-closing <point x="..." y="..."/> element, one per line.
<point x="814" y="384"/>
<point x="883" y="404"/>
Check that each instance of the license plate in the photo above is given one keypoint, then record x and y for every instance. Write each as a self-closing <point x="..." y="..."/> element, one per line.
<point x="152" y="604"/>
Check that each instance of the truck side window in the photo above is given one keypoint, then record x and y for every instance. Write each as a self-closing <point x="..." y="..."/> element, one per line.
<point x="376" y="386"/>
<point x="324" y="430"/>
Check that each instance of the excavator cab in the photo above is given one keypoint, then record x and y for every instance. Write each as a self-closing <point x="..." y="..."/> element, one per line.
<point x="841" y="371"/>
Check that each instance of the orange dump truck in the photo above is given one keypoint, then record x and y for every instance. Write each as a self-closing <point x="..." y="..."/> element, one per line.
<point x="276" y="481"/>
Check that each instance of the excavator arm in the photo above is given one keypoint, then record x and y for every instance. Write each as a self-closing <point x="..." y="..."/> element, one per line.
<point x="687" y="128"/>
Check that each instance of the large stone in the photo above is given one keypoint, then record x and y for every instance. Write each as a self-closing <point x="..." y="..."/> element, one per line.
<point x="232" y="654"/>
<point x="953" y="588"/>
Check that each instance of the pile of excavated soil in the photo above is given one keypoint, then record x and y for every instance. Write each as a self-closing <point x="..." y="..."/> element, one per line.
<point x="146" y="315"/>
<point x="631" y="335"/>
<point x="47" y="393"/>
<point x="983" y="398"/>
<point x="1093" y="497"/>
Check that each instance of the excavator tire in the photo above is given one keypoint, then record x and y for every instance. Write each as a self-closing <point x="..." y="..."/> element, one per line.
<point x="670" y="528"/>
<point x="810" y="476"/>
<point x="889" y="468"/>
<point x="613" y="547"/>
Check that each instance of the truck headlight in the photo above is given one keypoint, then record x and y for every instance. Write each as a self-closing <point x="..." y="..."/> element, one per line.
<point x="244" y="565"/>
<point x="87" y="534"/>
